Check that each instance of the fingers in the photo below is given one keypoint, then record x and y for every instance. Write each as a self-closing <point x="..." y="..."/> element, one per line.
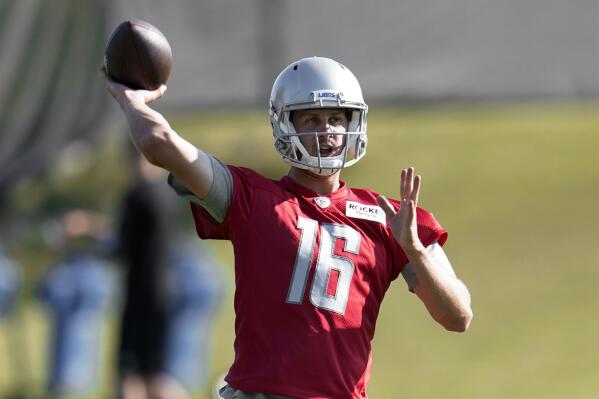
<point x="407" y="183"/>
<point x="153" y="95"/>
<point x="386" y="206"/>
<point x="118" y="90"/>
<point x="409" y="214"/>
<point x="105" y="78"/>
<point x="114" y="88"/>
<point x="402" y="184"/>
<point x="409" y="187"/>
<point x="416" y="189"/>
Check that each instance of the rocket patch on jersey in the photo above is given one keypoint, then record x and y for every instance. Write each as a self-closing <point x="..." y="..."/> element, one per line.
<point x="367" y="212"/>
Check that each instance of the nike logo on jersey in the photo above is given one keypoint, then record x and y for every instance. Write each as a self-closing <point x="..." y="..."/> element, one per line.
<point x="367" y="212"/>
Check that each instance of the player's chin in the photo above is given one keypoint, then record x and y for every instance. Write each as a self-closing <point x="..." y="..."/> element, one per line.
<point x="318" y="176"/>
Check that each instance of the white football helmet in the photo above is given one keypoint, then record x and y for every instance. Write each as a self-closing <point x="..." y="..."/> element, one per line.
<point x="310" y="83"/>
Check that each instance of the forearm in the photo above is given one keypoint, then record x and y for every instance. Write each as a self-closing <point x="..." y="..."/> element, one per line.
<point x="162" y="146"/>
<point x="149" y="131"/>
<point x="444" y="295"/>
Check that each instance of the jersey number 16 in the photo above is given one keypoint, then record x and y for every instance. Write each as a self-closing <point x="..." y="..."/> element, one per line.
<point x="326" y="262"/>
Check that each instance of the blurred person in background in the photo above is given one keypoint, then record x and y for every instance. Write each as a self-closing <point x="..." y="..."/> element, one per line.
<point x="168" y="303"/>
<point x="197" y="287"/>
<point x="313" y="257"/>
<point x="13" y="344"/>
<point x="10" y="284"/>
<point x="10" y="287"/>
<point x="76" y="291"/>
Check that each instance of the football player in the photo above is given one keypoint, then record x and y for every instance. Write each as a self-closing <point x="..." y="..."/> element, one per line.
<point x="313" y="257"/>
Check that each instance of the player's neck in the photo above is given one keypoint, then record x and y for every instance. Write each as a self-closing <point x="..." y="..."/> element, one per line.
<point x="322" y="185"/>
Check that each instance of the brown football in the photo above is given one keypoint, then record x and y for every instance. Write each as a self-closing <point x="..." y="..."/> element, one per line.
<point x="138" y="55"/>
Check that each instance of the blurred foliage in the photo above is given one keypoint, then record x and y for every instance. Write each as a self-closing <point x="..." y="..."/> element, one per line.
<point x="82" y="177"/>
<point x="515" y="185"/>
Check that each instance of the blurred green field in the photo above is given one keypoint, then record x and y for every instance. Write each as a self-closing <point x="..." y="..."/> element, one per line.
<point x="516" y="185"/>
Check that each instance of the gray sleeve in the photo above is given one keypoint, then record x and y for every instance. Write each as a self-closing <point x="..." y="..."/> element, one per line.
<point x="218" y="199"/>
<point x="435" y="251"/>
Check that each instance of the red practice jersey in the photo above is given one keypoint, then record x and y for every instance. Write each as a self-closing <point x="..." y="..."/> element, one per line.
<point x="311" y="272"/>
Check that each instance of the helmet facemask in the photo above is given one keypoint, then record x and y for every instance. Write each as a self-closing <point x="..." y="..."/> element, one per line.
<point x="289" y="145"/>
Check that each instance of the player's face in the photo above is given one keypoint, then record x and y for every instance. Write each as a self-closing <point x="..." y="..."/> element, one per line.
<point x="321" y="120"/>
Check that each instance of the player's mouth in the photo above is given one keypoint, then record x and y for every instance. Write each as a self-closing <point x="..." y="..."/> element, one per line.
<point x="329" y="151"/>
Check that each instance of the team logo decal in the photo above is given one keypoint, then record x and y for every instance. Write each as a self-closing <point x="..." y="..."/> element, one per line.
<point x="366" y="212"/>
<point x="327" y="95"/>
<point x="322" y="202"/>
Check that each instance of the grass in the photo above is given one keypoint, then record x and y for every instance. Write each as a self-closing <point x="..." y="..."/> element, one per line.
<point x="516" y="185"/>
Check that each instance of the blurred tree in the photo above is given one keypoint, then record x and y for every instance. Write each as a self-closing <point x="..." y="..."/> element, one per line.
<point x="49" y="91"/>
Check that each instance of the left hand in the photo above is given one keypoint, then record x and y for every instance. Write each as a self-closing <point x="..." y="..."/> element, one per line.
<point x="403" y="223"/>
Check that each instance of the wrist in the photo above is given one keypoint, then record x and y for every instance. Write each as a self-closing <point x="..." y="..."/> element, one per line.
<point x="414" y="250"/>
<point x="128" y="99"/>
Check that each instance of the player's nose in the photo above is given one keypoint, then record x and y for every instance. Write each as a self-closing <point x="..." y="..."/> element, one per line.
<point x="328" y="127"/>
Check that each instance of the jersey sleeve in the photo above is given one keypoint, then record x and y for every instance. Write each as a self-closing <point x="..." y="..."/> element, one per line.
<point x="218" y="199"/>
<point x="438" y="256"/>
<point x="242" y="200"/>
<point x="429" y="232"/>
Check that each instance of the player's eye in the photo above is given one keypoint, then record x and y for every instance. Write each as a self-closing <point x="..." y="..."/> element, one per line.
<point x="311" y="121"/>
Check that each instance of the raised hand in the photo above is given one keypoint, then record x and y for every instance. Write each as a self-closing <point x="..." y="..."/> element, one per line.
<point x="122" y="93"/>
<point x="403" y="223"/>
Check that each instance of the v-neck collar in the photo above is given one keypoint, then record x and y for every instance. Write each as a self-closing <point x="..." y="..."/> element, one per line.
<point x="293" y="186"/>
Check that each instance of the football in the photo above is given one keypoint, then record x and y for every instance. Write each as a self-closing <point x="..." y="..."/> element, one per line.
<point x="138" y="55"/>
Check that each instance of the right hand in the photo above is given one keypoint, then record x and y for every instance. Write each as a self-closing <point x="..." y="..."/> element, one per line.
<point x="122" y="93"/>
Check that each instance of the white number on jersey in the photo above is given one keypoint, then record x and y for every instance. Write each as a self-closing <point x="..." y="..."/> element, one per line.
<point x="326" y="262"/>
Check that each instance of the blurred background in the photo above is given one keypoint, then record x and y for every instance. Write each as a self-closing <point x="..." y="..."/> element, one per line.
<point x="494" y="103"/>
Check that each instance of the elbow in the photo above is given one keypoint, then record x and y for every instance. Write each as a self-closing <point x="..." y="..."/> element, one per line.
<point x="458" y="322"/>
<point x="156" y="147"/>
